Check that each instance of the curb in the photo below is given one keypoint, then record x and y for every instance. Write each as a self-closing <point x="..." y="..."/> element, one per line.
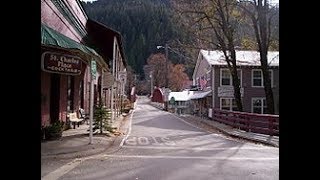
<point x="124" y="126"/>
<point x="240" y="136"/>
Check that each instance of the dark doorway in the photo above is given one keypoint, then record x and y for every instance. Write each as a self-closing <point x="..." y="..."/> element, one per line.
<point x="54" y="97"/>
<point x="81" y="91"/>
<point x="70" y="94"/>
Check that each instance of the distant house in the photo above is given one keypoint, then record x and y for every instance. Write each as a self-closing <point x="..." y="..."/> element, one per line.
<point x="211" y="74"/>
<point x="179" y="102"/>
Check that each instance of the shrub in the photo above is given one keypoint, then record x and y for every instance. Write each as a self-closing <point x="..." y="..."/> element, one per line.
<point x="54" y="130"/>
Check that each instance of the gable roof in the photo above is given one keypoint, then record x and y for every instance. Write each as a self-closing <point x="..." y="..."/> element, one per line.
<point x="181" y="96"/>
<point x="244" y="58"/>
<point x="102" y="36"/>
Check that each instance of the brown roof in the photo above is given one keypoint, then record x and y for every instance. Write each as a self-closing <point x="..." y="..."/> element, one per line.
<point x="100" y="38"/>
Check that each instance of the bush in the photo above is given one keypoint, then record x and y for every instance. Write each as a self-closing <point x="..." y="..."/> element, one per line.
<point x="54" y="130"/>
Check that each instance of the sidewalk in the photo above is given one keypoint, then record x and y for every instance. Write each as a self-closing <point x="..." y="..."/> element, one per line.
<point x="75" y="142"/>
<point x="261" y="138"/>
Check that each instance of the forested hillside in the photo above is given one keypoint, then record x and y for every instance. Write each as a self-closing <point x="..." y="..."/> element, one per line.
<point x="144" y="25"/>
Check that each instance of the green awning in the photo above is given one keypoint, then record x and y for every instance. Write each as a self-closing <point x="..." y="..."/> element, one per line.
<point x="54" y="38"/>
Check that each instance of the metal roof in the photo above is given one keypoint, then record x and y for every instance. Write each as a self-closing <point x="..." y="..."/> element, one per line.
<point x="244" y="58"/>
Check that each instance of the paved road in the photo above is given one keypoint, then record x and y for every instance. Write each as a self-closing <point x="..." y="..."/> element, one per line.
<point x="162" y="146"/>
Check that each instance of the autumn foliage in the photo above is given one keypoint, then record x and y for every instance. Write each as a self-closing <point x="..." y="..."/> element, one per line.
<point x="177" y="78"/>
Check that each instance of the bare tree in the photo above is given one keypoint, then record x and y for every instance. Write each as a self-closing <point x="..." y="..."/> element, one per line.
<point x="258" y="12"/>
<point x="216" y="24"/>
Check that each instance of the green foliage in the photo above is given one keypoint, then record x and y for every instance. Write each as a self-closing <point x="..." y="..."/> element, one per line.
<point x="102" y="117"/>
<point x="54" y="130"/>
<point x="144" y="24"/>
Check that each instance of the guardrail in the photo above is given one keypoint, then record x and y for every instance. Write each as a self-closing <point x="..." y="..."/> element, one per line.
<point x="251" y="122"/>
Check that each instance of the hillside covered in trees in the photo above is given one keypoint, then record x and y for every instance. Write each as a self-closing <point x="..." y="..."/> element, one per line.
<point x="146" y="24"/>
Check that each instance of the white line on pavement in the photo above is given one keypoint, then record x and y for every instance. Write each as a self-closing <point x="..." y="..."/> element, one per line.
<point x="56" y="174"/>
<point x="193" y="157"/>
<point x="199" y="148"/>
<point x="127" y="135"/>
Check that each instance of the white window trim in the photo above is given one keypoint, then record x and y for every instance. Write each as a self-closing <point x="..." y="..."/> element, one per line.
<point x="257" y="98"/>
<point x="230" y="108"/>
<point x="271" y="77"/>
<point x="252" y="78"/>
<point x="262" y="80"/>
<point x="231" y="82"/>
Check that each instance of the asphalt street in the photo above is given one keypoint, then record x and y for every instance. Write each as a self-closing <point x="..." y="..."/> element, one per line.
<point x="161" y="146"/>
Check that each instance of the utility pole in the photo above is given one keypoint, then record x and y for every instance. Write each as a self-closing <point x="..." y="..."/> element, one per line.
<point x="167" y="83"/>
<point x="166" y="49"/>
<point x="151" y="84"/>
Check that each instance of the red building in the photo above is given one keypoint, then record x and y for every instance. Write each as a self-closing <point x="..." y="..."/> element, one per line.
<point x="67" y="60"/>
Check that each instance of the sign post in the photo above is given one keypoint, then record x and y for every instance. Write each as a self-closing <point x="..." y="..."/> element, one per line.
<point x="93" y="77"/>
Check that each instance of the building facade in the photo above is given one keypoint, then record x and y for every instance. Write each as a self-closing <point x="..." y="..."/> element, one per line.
<point x="212" y="74"/>
<point x="70" y="60"/>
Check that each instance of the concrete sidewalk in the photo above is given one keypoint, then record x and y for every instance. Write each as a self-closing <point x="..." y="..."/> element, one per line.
<point x="75" y="142"/>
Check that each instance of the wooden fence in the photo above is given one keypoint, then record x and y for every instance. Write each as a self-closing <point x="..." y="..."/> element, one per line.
<point x="251" y="122"/>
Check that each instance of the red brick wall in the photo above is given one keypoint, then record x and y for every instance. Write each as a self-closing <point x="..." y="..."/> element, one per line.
<point x="45" y="98"/>
<point x="63" y="97"/>
<point x="76" y="97"/>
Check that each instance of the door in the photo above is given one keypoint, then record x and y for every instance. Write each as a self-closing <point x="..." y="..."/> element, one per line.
<point x="54" y="97"/>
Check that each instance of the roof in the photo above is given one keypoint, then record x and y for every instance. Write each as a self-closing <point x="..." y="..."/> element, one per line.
<point x="200" y="94"/>
<point x="181" y="96"/>
<point x="51" y="37"/>
<point x="102" y="37"/>
<point x="244" y="58"/>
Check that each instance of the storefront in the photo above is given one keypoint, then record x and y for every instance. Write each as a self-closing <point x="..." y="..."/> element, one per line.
<point x="66" y="76"/>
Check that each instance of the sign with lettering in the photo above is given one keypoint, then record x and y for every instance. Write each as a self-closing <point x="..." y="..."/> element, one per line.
<point x="60" y="63"/>
<point x="227" y="91"/>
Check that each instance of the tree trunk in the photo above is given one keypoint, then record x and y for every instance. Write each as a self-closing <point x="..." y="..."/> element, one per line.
<point x="263" y="49"/>
<point x="235" y="80"/>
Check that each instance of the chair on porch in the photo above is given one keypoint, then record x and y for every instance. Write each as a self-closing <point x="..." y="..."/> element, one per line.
<point x="84" y="115"/>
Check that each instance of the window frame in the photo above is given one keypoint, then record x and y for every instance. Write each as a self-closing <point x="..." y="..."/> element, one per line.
<point x="262" y="79"/>
<point x="263" y="101"/>
<point x="231" y="104"/>
<point x="230" y="77"/>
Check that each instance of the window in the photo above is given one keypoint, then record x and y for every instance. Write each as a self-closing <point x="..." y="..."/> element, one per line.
<point x="226" y="78"/>
<point x="228" y="104"/>
<point x="259" y="105"/>
<point x="257" y="78"/>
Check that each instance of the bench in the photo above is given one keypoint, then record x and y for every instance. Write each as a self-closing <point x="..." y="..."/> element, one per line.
<point x="74" y="119"/>
<point x="84" y="115"/>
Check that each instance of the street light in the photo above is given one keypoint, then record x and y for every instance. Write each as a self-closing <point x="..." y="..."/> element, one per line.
<point x="166" y="69"/>
<point x="166" y="75"/>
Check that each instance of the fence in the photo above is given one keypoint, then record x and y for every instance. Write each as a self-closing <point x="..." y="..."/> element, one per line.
<point x="258" y="123"/>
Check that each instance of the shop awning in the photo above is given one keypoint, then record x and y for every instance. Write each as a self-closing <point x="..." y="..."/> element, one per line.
<point x="54" y="38"/>
<point x="200" y="94"/>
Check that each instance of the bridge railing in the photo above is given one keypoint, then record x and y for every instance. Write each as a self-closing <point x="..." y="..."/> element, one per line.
<point x="251" y="122"/>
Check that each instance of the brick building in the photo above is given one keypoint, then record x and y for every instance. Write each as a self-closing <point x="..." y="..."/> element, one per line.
<point x="68" y="57"/>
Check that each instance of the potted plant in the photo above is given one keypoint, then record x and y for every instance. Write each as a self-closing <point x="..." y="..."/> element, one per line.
<point x="54" y="130"/>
